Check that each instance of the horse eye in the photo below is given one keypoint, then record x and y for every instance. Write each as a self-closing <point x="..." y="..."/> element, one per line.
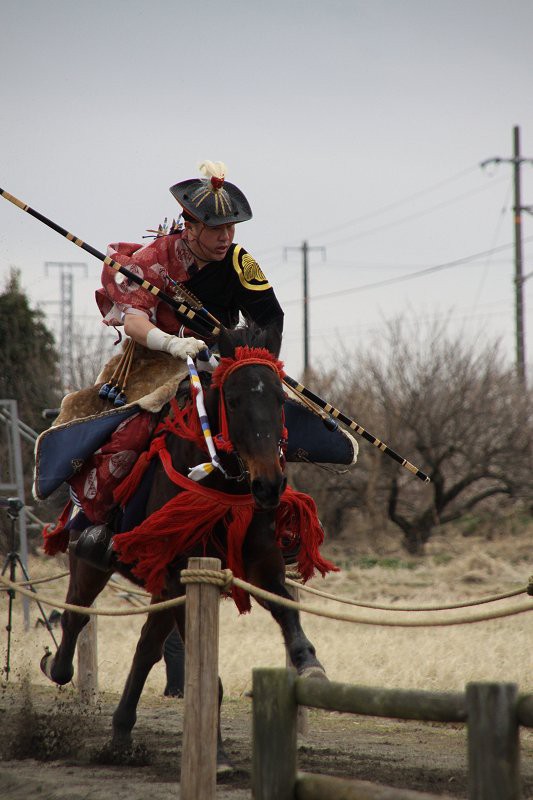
<point x="232" y="403"/>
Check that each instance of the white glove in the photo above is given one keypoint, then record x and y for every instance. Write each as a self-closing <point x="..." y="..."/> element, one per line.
<point x="179" y="348"/>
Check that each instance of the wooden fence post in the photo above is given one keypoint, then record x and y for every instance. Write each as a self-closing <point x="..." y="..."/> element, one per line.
<point x="88" y="662"/>
<point x="493" y="741"/>
<point x="274" y="734"/>
<point x="200" y="716"/>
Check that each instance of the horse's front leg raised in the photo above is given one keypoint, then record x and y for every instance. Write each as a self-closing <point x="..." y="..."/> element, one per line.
<point x="265" y="568"/>
<point x="85" y="585"/>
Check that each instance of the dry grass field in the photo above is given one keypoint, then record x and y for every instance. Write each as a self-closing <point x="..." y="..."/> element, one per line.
<point x="454" y="569"/>
<point x="374" y="569"/>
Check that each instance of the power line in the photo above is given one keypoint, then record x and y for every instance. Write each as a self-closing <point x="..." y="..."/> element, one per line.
<point x="397" y="203"/>
<point x="409" y="217"/>
<point x="462" y="315"/>
<point x="411" y="275"/>
<point x="381" y="210"/>
<point x="496" y="235"/>
<point x="374" y="267"/>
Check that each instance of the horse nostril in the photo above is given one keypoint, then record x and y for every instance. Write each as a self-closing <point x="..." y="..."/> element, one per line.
<point x="267" y="492"/>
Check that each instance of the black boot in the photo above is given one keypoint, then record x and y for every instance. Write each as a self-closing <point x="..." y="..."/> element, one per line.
<point x="95" y="546"/>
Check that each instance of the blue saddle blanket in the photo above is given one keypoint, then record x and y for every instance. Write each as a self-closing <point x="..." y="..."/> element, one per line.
<point x="61" y="452"/>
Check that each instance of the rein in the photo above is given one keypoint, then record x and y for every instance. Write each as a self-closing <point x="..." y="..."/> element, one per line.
<point x="182" y="423"/>
<point x="244" y="356"/>
<point x="189" y="518"/>
<point x="224" y="498"/>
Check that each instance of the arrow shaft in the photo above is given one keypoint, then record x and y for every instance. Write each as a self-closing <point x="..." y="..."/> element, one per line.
<point x="185" y="313"/>
<point x="212" y="326"/>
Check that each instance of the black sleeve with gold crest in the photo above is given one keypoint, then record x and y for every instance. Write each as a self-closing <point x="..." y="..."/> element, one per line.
<point x="236" y="284"/>
<point x="248" y="270"/>
<point x="256" y="296"/>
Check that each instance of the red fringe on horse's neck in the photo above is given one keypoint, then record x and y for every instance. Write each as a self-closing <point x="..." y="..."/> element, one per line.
<point x="183" y="422"/>
<point x="189" y="518"/>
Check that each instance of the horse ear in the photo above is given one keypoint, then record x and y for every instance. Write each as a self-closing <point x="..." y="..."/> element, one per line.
<point x="225" y="346"/>
<point x="273" y="339"/>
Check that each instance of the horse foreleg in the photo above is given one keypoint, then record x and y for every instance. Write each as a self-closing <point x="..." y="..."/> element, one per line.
<point x="265" y="568"/>
<point x="148" y="652"/>
<point x="301" y="651"/>
<point x="85" y="585"/>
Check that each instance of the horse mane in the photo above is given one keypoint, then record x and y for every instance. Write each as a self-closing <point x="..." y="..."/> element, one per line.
<point x="250" y="334"/>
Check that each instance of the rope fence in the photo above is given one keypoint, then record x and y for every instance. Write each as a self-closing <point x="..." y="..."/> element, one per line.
<point x="96" y="612"/>
<point x="37" y="581"/>
<point x="225" y="579"/>
<point x="379" y="607"/>
<point x="380" y="621"/>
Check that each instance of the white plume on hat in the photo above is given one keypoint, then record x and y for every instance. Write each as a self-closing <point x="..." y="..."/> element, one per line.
<point x="213" y="169"/>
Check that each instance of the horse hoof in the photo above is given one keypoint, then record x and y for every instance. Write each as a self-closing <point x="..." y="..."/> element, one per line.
<point x="171" y="691"/>
<point x="224" y="765"/>
<point x="46" y="664"/>
<point x="316" y="672"/>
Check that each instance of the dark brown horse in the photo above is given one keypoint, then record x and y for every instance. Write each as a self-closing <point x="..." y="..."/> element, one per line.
<point x="251" y="418"/>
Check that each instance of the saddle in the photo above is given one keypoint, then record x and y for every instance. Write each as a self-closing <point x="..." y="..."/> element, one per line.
<point x="86" y="421"/>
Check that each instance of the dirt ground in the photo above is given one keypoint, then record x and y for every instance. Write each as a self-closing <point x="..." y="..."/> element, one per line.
<point x="54" y="748"/>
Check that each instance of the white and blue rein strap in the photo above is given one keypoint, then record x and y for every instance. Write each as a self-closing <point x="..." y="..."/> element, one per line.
<point x="206" y="363"/>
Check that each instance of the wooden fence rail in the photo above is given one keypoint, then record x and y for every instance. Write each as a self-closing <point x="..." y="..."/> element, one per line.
<point x="493" y="713"/>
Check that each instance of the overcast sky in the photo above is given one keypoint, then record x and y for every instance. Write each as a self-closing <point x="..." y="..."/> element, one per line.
<point x="356" y="126"/>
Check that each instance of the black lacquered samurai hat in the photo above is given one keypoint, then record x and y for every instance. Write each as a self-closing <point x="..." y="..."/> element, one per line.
<point x="212" y="200"/>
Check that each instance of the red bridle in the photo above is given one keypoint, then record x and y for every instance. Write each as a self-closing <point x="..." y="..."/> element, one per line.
<point x="244" y="357"/>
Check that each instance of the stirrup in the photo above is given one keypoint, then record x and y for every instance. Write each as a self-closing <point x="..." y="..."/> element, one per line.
<point x="94" y="546"/>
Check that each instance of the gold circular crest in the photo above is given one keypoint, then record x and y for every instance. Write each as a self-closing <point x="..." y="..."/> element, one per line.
<point x="251" y="269"/>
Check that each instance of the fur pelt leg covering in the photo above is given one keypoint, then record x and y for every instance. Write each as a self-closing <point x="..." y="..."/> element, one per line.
<point x="153" y="380"/>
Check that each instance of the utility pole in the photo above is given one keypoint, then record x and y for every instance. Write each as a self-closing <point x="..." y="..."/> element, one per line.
<point x="305" y="249"/>
<point x="66" y="316"/>
<point x="517" y="160"/>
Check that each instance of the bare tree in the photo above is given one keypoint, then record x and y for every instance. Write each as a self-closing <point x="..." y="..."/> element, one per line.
<point x="453" y="408"/>
<point x="91" y="349"/>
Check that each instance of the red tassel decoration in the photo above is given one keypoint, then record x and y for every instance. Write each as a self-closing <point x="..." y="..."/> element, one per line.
<point x="55" y="536"/>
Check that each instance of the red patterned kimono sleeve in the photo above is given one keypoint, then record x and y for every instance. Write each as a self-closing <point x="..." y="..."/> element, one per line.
<point x="120" y="295"/>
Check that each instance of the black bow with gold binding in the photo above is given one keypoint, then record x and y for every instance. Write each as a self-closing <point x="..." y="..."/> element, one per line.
<point x="202" y="323"/>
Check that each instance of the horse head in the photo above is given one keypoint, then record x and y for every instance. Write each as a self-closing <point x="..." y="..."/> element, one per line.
<point x="251" y="407"/>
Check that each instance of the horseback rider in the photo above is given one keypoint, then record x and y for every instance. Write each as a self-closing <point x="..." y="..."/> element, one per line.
<point x="201" y="256"/>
